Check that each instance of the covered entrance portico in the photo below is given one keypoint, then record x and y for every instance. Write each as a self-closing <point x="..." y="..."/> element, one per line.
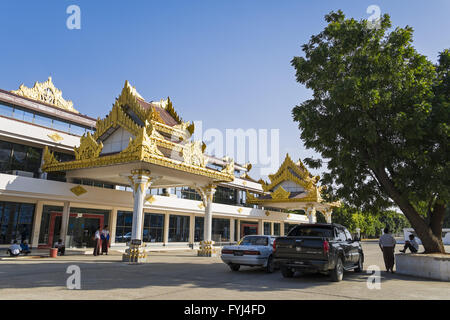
<point x="292" y="187"/>
<point x="142" y="145"/>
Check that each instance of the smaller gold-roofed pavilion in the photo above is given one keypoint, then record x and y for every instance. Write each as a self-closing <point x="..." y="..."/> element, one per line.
<point x="292" y="187"/>
<point x="143" y="144"/>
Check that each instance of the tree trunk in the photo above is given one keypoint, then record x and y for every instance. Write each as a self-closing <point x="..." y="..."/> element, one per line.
<point x="429" y="235"/>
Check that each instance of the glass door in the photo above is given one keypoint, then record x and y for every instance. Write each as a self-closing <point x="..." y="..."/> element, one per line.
<point x="81" y="229"/>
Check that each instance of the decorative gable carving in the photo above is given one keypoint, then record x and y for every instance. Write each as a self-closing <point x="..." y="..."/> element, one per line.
<point x="46" y="92"/>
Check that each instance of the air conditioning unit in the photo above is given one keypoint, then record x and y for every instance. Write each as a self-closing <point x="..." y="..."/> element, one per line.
<point x="22" y="173"/>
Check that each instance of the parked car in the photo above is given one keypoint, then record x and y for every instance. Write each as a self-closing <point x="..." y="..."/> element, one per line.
<point x="253" y="251"/>
<point x="325" y="248"/>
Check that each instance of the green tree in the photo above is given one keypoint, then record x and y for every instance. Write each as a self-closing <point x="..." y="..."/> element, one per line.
<point x="379" y="114"/>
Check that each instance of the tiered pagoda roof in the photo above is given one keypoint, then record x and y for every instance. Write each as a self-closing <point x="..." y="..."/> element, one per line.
<point x="157" y="136"/>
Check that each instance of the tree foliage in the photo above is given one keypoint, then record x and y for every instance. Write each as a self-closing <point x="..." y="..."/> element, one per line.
<point x="370" y="224"/>
<point x="379" y="114"/>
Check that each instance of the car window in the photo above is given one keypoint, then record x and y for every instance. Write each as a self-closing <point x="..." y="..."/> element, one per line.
<point x="254" y="241"/>
<point x="341" y="235"/>
<point x="308" y="231"/>
<point x="348" y="235"/>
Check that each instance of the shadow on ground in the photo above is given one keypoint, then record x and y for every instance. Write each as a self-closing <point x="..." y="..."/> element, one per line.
<point x="109" y="274"/>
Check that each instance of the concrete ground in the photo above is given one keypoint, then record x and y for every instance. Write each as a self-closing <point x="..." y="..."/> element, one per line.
<point x="183" y="275"/>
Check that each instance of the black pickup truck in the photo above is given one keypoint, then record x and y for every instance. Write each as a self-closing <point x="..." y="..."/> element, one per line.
<point x="320" y="247"/>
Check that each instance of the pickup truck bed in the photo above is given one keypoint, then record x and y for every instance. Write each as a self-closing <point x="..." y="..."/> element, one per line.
<point x="326" y="248"/>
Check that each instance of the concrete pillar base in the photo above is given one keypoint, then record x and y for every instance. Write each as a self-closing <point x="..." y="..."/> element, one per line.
<point x="135" y="254"/>
<point x="207" y="249"/>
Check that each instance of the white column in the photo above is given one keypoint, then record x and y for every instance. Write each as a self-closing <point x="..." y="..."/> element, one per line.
<point x="232" y="231"/>
<point x="166" y="228"/>
<point x="271" y="228"/>
<point x="209" y="193"/>
<point x="64" y="222"/>
<point x="238" y="230"/>
<point x="34" y="239"/>
<point x="260" y="227"/>
<point x="282" y="229"/>
<point x="191" y="228"/>
<point x="140" y="182"/>
<point x="112" y="225"/>
<point x="311" y="214"/>
<point x="327" y="214"/>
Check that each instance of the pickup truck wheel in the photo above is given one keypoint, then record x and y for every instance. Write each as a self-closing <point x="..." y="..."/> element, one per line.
<point x="286" y="272"/>
<point x="338" y="272"/>
<point x="359" y="266"/>
<point x="235" y="267"/>
<point x="270" y="265"/>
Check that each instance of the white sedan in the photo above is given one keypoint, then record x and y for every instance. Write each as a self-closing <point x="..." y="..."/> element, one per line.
<point x="253" y="251"/>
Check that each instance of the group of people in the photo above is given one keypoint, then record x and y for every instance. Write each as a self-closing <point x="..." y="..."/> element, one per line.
<point x="387" y="245"/>
<point x="102" y="241"/>
<point x="15" y="249"/>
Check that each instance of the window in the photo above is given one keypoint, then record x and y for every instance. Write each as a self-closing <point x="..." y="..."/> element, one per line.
<point x="276" y="229"/>
<point x="198" y="231"/>
<point x="307" y="231"/>
<point x="19" y="157"/>
<point x="123" y="226"/>
<point x="220" y="230"/>
<point x="153" y="227"/>
<point x="254" y="241"/>
<point x="16" y="220"/>
<point x="267" y="228"/>
<point x="225" y="195"/>
<point x="340" y="235"/>
<point x="288" y="227"/>
<point x="41" y="119"/>
<point x="187" y="193"/>
<point x="348" y="235"/>
<point x="178" y="228"/>
<point x="6" y="110"/>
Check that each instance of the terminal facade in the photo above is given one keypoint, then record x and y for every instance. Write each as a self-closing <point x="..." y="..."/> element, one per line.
<point x="61" y="177"/>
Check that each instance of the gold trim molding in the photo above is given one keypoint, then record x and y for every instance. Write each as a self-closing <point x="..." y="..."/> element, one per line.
<point x="46" y="92"/>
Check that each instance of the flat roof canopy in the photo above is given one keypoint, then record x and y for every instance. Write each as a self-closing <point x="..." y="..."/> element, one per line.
<point x="162" y="177"/>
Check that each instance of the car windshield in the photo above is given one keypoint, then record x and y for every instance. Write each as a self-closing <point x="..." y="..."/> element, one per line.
<point x="304" y="231"/>
<point x="253" y="241"/>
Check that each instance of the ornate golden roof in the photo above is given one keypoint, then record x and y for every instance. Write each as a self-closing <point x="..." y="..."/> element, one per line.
<point x="152" y="141"/>
<point x="46" y="92"/>
<point x="292" y="172"/>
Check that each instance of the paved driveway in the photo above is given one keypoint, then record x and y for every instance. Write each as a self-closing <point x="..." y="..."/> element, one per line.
<point x="182" y="275"/>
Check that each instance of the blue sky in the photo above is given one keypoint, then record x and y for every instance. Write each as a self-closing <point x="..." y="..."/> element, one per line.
<point x="226" y="63"/>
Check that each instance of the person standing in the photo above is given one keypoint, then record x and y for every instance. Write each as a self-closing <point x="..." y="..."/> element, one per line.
<point x="105" y="240"/>
<point x="387" y="245"/>
<point x="97" y="242"/>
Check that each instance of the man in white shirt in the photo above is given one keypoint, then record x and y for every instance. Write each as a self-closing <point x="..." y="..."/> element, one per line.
<point x="412" y="245"/>
<point x="387" y="245"/>
<point x="97" y="242"/>
<point x="14" y="250"/>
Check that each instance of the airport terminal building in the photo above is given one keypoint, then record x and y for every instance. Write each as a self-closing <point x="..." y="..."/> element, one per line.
<point x="55" y="183"/>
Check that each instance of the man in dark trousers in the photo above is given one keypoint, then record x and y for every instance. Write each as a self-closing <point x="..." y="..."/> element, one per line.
<point x="387" y="245"/>
<point x="97" y="242"/>
<point x="105" y="240"/>
<point x="412" y="245"/>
